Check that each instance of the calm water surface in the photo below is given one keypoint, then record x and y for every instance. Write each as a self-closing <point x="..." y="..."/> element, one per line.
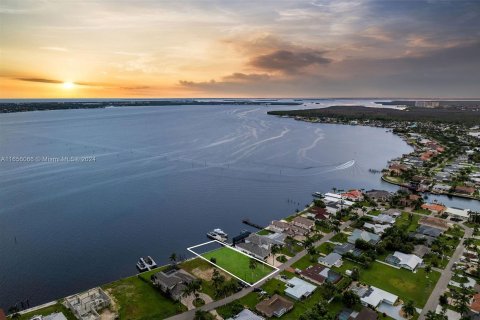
<point x="163" y="176"/>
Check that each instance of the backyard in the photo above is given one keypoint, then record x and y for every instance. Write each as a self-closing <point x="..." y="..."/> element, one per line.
<point x="238" y="264"/>
<point x="404" y="283"/>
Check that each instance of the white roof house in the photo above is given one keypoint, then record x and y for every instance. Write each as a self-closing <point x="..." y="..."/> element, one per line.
<point x="52" y="316"/>
<point x="377" y="228"/>
<point x="384" y="218"/>
<point x="374" y="296"/>
<point x="408" y="261"/>
<point x="299" y="289"/>
<point x="458" y="212"/>
<point x="246" y="314"/>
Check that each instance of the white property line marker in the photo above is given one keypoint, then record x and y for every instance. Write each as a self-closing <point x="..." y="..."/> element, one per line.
<point x="216" y="265"/>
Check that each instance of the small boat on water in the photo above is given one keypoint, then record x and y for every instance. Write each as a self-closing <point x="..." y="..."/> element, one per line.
<point x="318" y="195"/>
<point x="146" y="264"/>
<point x="218" y="234"/>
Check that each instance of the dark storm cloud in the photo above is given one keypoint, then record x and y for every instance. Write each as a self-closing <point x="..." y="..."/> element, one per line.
<point x="289" y="61"/>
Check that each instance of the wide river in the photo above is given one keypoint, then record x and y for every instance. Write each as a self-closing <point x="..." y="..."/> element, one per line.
<point x="162" y="177"/>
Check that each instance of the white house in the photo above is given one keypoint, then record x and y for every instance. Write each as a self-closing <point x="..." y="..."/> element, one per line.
<point x="299" y="289"/>
<point x="458" y="213"/>
<point x="376" y="228"/>
<point x="375" y="296"/>
<point x="407" y="261"/>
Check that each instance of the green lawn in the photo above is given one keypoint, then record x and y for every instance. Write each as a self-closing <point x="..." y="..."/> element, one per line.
<point x="340" y="237"/>
<point x="326" y="248"/>
<point x="305" y="262"/>
<point x="238" y="264"/>
<point x="138" y="299"/>
<point x="407" y="222"/>
<point x="264" y="232"/>
<point x="48" y="310"/>
<point x="406" y="284"/>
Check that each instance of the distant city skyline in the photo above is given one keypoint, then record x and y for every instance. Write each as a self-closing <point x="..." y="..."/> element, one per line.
<point x="154" y="49"/>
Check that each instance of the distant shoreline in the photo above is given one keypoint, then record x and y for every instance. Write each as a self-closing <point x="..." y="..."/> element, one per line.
<point x="25" y="106"/>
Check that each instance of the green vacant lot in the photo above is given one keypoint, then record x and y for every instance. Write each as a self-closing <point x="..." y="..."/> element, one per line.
<point x="406" y="284"/>
<point x="238" y="264"/>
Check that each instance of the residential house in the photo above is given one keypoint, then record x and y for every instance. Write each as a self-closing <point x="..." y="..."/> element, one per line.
<point x="464" y="190"/>
<point x="246" y="314"/>
<point x="319" y="274"/>
<point x="429" y="231"/>
<point x="384" y="219"/>
<point x="373" y="296"/>
<point x="366" y="314"/>
<point x="332" y="259"/>
<point x="403" y="260"/>
<point x="320" y="213"/>
<point x="279" y="226"/>
<point x="343" y="248"/>
<point x="379" y="195"/>
<point x="369" y="237"/>
<point x="299" y="289"/>
<point x="2" y="315"/>
<point x="275" y="306"/>
<point x="458" y="213"/>
<point x="86" y="305"/>
<point x="396" y="169"/>
<point x="353" y="195"/>
<point x="421" y="250"/>
<point x="172" y="282"/>
<point x="434" y="208"/>
<point x="435" y="222"/>
<point x="52" y="316"/>
<point x="376" y="228"/>
<point x="253" y="250"/>
<point x="475" y="303"/>
<point x="304" y="223"/>
<point x="441" y="188"/>
<point x="277" y="238"/>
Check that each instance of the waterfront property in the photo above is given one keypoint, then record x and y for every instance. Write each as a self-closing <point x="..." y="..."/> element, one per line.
<point x="240" y="265"/>
<point x="86" y="305"/>
<point x="52" y="316"/>
<point x="172" y="282"/>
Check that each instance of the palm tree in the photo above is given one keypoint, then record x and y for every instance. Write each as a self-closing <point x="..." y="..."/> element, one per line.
<point x="409" y="308"/>
<point x="275" y="249"/>
<point x="252" y="265"/>
<point x="173" y="258"/>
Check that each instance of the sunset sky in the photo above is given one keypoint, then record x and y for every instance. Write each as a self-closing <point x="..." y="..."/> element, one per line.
<point x="140" y="48"/>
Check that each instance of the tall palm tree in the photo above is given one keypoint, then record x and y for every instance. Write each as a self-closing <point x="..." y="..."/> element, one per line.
<point x="173" y="258"/>
<point x="275" y="249"/>
<point x="252" y="265"/>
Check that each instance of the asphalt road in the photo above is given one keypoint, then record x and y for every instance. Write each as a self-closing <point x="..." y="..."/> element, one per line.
<point x="215" y="304"/>
<point x="445" y="277"/>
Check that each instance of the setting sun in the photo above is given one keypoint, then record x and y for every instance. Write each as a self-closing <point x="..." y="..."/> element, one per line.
<point x="68" y="85"/>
